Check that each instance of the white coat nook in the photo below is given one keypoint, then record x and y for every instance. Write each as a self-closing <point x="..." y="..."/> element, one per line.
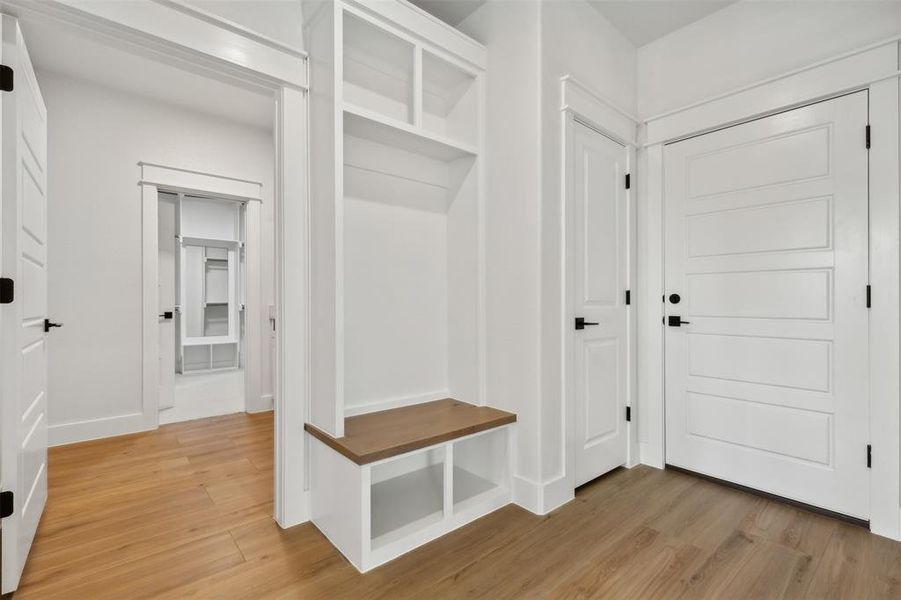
<point x="397" y="267"/>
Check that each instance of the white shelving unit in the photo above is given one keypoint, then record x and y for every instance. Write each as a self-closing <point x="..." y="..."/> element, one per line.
<point x="209" y="316"/>
<point x="376" y="512"/>
<point x="397" y="202"/>
<point x="397" y="262"/>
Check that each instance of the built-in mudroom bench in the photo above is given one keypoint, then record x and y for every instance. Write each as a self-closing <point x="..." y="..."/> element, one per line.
<point x="402" y="477"/>
<point x="397" y="271"/>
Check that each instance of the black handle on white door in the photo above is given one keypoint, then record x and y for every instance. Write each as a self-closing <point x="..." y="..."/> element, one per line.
<point x="581" y="323"/>
<point x="167" y="315"/>
<point x="48" y="324"/>
<point x="676" y="321"/>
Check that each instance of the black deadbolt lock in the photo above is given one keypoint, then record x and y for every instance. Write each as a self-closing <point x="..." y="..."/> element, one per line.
<point x="675" y="298"/>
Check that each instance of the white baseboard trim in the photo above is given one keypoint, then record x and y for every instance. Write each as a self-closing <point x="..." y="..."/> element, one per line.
<point x="95" y="429"/>
<point x="651" y="455"/>
<point x="362" y="409"/>
<point x="265" y="404"/>
<point x="892" y="534"/>
<point x="542" y="498"/>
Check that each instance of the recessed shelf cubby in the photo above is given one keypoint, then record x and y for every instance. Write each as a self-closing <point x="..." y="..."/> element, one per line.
<point x="378" y="69"/>
<point x="449" y="100"/>
<point x="406" y="495"/>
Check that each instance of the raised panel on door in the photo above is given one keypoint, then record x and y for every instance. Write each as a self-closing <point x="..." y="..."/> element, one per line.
<point x="766" y="242"/>
<point x="599" y="256"/>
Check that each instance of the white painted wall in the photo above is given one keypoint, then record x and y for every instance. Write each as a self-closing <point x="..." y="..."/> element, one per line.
<point x="575" y="40"/>
<point x="524" y="211"/>
<point x="96" y="138"/>
<point x="279" y="20"/>
<point x="754" y="40"/>
<point x="512" y="216"/>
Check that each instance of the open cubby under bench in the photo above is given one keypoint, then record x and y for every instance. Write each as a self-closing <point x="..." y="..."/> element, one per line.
<point x="402" y="477"/>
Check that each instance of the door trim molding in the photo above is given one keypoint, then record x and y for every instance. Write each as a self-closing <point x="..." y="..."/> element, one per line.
<point x="874" y="68"/>
<point x="581" y="104"/>
<point x="846" y="73"/>
<point x="155" y="179"/>
<point x="202" y="43"/>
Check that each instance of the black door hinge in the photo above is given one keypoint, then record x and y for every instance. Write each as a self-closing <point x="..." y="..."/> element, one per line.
<point x="869" y="456"/>
<point x="868" y="137"/>
<point x="6" y="79"/>
<point x="6" y="504"/>
<point x="7" y="290"/>
<point x="629" y="413"/>
<point x="869" y="296"/>
<point x="628" y="297"/>
<point x="628" y="180"/>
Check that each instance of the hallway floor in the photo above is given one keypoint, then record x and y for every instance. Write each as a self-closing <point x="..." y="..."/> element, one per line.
<point x="185" y="512"/>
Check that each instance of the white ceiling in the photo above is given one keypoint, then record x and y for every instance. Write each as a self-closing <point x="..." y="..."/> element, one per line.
<point x="68" y="51"/>
<point x="641" y="21"/>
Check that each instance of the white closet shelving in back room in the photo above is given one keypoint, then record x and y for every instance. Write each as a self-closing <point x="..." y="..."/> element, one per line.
<point x="209" y="313"/>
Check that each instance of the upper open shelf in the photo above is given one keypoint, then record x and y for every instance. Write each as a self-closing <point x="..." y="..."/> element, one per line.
<point x="379" y="435"/>
<point x="449" y="99"/>
<point x="363" y="123"/>
<point x="378" y="69"/>
<point x="407" y="86"/>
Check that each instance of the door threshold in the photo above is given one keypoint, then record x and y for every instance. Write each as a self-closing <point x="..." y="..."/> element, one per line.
<point x="795" y="503"/>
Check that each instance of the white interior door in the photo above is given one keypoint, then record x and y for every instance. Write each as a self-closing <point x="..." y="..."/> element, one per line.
<point x="767" y="245"/>
<point x="23" y="406"/>
<point x="600" y="278"/>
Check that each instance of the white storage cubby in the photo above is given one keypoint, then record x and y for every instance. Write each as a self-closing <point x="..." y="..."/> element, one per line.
<point x="406" y="495"/>
<point x="480" y="468"/>
<point x="378" y="69"/>
<point x="450" y="100"/>
<point x="376" y="512"/>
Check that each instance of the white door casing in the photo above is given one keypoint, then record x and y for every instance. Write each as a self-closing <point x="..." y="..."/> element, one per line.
<point x="167" y="272"/>
<point x="766" y="241"/>
<point x="600" y="261"/>
<point x="23" y="404"/>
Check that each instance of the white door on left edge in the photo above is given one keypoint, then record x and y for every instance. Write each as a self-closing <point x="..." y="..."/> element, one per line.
<point x="23" y="402"/>
<point x="600" y="277"/>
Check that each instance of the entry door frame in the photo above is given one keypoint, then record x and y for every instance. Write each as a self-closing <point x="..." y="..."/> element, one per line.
<point x="874" y="68"/>
<point x="203" y="41"/>
<point x="583" y="105"/>
<point x="158" y="178"/>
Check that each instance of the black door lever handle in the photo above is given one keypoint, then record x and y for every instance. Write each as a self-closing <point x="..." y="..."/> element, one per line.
<point x="581" y="323"/>
<point x="676" y="321"/>
<point x="48" y="324"/>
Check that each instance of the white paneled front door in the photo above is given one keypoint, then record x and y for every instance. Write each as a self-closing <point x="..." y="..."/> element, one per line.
<point x="767" y="264"/>
<point x="600" y="277"/>
<point x="23" y="403"/>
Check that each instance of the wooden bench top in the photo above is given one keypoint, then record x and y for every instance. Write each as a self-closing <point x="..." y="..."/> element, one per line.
<point x="375" y="436"/>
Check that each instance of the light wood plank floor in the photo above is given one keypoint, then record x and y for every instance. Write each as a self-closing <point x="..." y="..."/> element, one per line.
<point x="184" y="512"/>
